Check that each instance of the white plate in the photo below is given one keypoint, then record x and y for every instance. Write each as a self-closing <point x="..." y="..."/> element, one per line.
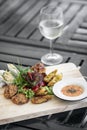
<point x="75" y="81"/>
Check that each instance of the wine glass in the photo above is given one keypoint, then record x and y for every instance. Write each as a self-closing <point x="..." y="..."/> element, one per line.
<point x="51" y="27"/>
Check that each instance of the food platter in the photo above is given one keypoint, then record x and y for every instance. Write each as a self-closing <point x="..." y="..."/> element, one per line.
<point x="10" y="112"/>
<point x="57" y="89"/>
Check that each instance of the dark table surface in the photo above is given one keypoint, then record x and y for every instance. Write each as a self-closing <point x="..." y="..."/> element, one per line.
<point x="22" y="43"/>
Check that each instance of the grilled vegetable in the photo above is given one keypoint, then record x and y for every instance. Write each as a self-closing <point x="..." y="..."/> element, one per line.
<point x="55" y="79"/>
<point x="50" y="76"/>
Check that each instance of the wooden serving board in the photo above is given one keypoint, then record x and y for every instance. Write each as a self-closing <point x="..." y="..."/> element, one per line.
<point x="10" y="112"/>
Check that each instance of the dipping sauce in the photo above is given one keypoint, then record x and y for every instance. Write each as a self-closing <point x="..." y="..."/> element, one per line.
<point x="72" y="90"/>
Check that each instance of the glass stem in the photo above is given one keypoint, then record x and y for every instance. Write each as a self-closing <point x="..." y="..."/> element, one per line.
<point x="51" y="47"/>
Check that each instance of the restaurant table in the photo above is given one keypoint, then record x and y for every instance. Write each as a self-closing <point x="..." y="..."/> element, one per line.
<point x="22" y="43"/>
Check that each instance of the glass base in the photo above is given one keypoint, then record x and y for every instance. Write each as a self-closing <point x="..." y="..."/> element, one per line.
<point x="51" y="59"/>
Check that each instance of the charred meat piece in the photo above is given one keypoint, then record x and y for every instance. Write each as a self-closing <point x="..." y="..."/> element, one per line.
<point x="19" y="99"/>
<point x="39" y="67"/>
<point x="41" y="99"/>
<point x="10" y="91"/>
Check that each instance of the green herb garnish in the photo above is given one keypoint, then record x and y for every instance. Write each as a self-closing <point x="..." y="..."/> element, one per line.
<point x="49" y="90"/>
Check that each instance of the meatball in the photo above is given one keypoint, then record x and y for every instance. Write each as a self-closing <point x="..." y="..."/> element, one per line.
<point x="10" y="91"/>
<point x="19" y="99"/>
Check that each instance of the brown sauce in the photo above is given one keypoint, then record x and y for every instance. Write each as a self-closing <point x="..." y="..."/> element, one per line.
<point x="72" y="90"/>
